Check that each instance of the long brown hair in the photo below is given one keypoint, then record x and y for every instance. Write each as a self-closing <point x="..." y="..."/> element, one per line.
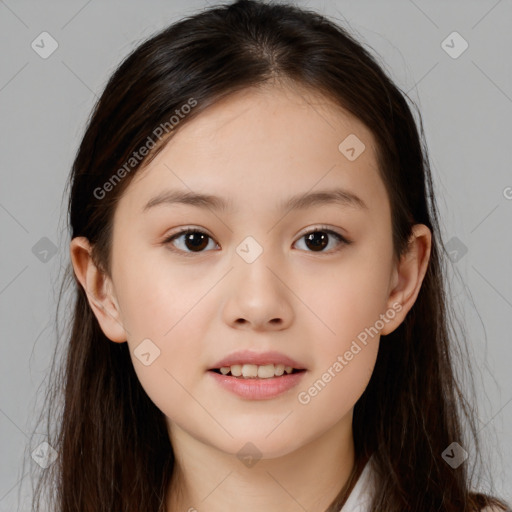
<point x="113" y="446"/>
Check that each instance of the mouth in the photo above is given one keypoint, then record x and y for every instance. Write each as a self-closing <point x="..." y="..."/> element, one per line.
<point x="253" y="371"/>
<point x="257" y="382"/>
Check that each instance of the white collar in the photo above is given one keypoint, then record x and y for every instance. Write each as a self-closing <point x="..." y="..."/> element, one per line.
<point x="361" y="495"/>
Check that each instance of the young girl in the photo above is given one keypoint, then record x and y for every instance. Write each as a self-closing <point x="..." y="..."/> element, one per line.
<point x="260" y="320"/>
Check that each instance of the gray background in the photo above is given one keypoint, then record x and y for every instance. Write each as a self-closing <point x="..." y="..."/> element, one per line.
<point x="466" y="103"/>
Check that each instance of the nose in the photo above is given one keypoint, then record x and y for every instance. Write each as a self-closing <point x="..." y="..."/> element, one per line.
<point x="258" y="296"/>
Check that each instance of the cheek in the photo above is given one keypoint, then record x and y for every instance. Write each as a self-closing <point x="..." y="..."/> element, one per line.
<point x="165" y="317"/>
<point x="347" y="331"/>
<point x="156" y="295"/>
<point x="348" y="301"/>
<point x="175" y="350"/>
<point x="346" y="350"/>
<point x="333" y="392"/>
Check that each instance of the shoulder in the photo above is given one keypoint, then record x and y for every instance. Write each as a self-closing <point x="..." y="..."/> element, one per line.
<point x="494" y="508"/>
<point x="488" y="503"/>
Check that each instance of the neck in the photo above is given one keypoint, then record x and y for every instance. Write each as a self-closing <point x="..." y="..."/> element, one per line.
<point x="208" y="479"/>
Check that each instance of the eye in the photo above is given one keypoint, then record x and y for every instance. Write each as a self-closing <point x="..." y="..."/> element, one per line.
<point x="193" y="239"/>
<point x="318" y="238"/>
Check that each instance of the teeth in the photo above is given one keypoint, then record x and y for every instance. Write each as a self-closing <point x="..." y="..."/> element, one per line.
<point x="236" y="370"/>
<point x="266" y="371"/>
<point x="247" y="371"/>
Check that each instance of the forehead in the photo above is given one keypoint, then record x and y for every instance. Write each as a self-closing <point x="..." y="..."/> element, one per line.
<point x="254" y="119"/>
<point x="263" y="145"/>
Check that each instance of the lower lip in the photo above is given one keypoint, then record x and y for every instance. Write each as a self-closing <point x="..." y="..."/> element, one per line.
<point x="258" y="389"/>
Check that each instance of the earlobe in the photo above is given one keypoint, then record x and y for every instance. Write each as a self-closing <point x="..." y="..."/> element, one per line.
<point x="98" y="288"/>
<point x="408" y="277"/>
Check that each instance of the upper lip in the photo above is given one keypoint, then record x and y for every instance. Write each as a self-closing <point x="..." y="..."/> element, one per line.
<point x="257" y="358"/>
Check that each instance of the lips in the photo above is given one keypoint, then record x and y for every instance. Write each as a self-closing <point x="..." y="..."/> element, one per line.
<point x="255" y="388"/>
<point x="257" y="358"/>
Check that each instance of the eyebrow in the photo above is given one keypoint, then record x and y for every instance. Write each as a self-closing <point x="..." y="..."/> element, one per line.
<point x="337" y="196"/>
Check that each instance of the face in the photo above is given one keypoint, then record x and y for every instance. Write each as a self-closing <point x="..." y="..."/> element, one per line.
<point x="311" y="283"/>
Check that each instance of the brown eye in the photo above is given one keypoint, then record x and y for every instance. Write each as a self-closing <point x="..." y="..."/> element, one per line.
<point x="195" y="241"/>
<point x="319" y="239"/>
<point x="192" y="240"/>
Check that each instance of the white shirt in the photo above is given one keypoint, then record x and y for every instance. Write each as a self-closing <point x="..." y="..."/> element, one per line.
<point x="361" y="495"/>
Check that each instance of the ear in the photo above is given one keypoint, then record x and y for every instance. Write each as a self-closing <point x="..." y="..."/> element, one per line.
<point x="408" y="276"/>
<point x="99" y="290"/>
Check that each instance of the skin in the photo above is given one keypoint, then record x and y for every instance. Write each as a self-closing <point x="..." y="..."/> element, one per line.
<point x="255" y="148"/>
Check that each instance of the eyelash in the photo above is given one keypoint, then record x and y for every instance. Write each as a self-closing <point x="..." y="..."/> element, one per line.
<point x="324" y="229"/>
